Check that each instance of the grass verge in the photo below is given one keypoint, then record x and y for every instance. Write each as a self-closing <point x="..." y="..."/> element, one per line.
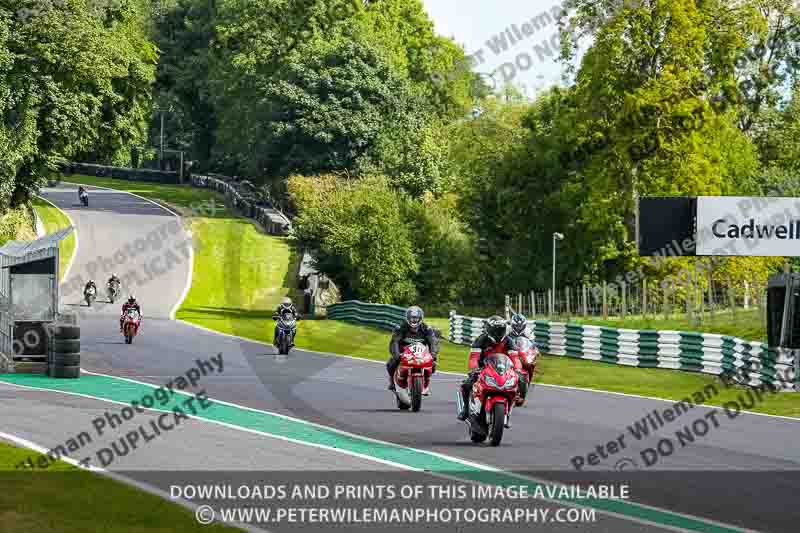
<point x="235" y="292"/>
<point x="54" y="219"/>
<point x="67" y="499"/>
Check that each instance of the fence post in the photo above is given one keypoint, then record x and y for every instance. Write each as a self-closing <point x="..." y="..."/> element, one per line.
<point x="566" y="290"/>
<point x="550" y="303"/>
<point x="746" y="295"/>
<point x="533" y="304"/>
<point x="585" y="303"/>
<point x="624" y="301"/>
<point x="507" y="305"/>
<point x="644" y="297"/>
<point x="605" y="300"/>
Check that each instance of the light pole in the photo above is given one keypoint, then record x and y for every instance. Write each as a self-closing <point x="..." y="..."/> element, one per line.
<point x="556" y="237"/>
<point x="161" y="145"/>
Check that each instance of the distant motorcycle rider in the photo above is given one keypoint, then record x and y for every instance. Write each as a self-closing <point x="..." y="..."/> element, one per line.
<point x="411" y="329"/>
<point x="130" y="304"/>
<point x="81" y="192"/>
<point x="519" y="327"/>
<point x="493" y="340"/>
<point x="114" y="280"/>
<point x="286" y="308"/>
<point x="90" y="284"/>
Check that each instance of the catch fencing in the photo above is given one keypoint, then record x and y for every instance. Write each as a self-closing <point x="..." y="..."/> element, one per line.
<point x="745" y="362"/>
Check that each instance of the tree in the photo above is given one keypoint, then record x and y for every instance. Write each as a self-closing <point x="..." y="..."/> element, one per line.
<point x="72" y="84"/>
<point x="359" y="236"/>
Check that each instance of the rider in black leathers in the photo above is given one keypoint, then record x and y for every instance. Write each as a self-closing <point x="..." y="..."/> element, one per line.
<point x="286" y="307"/>
<point x="411" y="329"/>
<point x="494" y="339"/>
<point x="91" y="284"/>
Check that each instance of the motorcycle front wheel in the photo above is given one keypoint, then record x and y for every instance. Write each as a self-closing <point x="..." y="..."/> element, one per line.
<point x="416" y="392"/>
<point x="497" y="424"/>
<point x="284" y="345"/>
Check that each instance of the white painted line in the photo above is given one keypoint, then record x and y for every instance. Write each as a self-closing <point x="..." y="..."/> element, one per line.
<point x="74" y="232"/>
<point x="150" y="489"/>
<point x="225" y="424"/>
<point x="40" y="231"/>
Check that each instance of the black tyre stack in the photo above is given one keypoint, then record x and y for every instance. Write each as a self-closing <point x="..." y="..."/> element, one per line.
<point x="66" y="350"/>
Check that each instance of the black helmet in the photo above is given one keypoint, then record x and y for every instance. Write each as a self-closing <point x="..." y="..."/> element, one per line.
<point x="518" y="323"/>
<point x="414" y="316"/>
<point x="496" y="328"/>
<point x="131" y="298"/>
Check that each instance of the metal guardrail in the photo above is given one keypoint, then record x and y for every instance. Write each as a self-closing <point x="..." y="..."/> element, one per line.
<point x="383" y="316"/>
<point x="275" y="222"/>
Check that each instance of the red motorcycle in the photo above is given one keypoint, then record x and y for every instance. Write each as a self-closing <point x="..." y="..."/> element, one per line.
<point x="413" y="376"/>
<point x="523" y="353"/>
<point x="492" y="399"/>
<point x="130" y="325"/>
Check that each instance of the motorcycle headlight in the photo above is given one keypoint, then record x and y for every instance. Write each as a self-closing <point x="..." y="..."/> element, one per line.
<point x="491" y="382"/>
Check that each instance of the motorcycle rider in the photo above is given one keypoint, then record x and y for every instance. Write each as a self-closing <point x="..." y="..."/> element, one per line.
<point x="412" y="328"/>
<point x="519" y="327"/>
<point x="130" y="304"/>
<point x="81" y="192"/>
<point x="90" y="284"/>
<point x="114" y="280"/>
<point x="493" y="340"/>
<point x="286" y="307"/>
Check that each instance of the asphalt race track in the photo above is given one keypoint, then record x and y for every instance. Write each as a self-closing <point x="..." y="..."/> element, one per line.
<point x="742" y="471"/>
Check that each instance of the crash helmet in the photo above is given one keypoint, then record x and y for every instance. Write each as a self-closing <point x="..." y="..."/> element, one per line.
<point x="286" y="303"/>
<point x="496" y="328"/>
<point x="414" y="316"/>
<point x="519" y="323"/>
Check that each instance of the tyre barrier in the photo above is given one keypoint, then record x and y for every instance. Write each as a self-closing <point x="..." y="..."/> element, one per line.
<point x="66" y="352"/>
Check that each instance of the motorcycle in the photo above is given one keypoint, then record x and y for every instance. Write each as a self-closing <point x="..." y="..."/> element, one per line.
<point x="287" y="329"/>
<point x="492" y="399"/>
<point x="413" y="376"/>
<point x="90" y="295"/>
<point x="524" y="354"/>
<point x="130" y="325"/>
<point x="84" y="196"/>
<point x="113" y="292"/>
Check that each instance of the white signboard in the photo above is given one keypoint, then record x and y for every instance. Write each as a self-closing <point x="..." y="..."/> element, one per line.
<point x="757" y="226"/>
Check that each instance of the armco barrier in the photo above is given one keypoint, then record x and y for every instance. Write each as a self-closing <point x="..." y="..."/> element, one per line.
<point x="749" y="363"/>
<point x="273" y="221"/>
<point x="133" y="174"/>
<point x="383" y="316"/>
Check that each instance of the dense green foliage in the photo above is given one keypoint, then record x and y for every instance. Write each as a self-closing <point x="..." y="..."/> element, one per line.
<point x="74" y="83"/>
<point x="267" y="88"/>
<point x="357" y="113"/>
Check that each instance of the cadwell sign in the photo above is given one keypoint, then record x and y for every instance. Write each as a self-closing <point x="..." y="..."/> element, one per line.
<point x="748" y="226"/>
